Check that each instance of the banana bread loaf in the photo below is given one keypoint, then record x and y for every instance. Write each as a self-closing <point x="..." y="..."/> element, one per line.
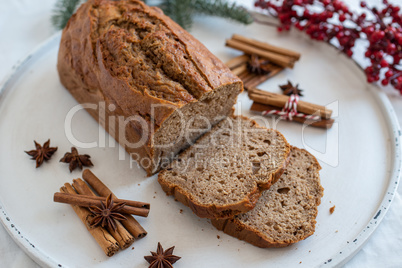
<point x="162" y="87"/>
<point x="225" y="171"/>
<point x="285" y="214"/>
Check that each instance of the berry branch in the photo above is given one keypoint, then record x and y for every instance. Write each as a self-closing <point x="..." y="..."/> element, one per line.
<point x="331" y="21"/>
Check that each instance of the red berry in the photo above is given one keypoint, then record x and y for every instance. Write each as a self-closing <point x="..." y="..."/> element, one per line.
<point x="369" y="30"/>
<point x="391" y="48"/>
<point x="342" y="17"/>
<point x="349" y="53"/>
<point x="389" y="73"/>
<point x="383" y="63"/>
<point x="398" y="38"/>
<point x="339" y="35"/>
<point x="370" y="79"/>
<point x="378" y="55"/>
<point x="363" y="4"/>
<point x="343" y="41"/>
<point x="385" y="82"/>
<point x="367" y="54"/>
<point x="282" y="17"/>
<point x="298" y="2"/>
<point x="369" y="70"/>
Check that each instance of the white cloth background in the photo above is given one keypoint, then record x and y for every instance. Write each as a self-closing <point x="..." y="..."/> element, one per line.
<point x="24" y="24"/>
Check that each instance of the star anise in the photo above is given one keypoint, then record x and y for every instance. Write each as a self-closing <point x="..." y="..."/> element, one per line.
<point x="257" y="65"/>
<point x="107" y="213"/>
<point x="42" y="153"/>
<point x="162" y="259"/>
<point x="289" y="89"/>
<point x="76" y="160"/>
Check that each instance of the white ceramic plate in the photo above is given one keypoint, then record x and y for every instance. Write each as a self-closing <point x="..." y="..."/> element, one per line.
<point x="360" y="157"/>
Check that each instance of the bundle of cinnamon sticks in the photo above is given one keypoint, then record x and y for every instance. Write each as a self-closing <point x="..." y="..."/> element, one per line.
<point x="80" y="196"/>
<point x="274" y="58"/>
<point x="265" y="101"/>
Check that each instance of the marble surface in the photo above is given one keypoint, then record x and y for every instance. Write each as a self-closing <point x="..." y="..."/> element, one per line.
<point x="24" y="24"/>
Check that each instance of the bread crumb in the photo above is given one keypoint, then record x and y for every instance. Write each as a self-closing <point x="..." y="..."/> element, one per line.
<point x="218" y="237"/>
<point x="336" y="231"/>
<point x="139" y="184"/>
<point x="181" y="211"/>
<point x="299" y="262"/>
<point x="154" y="197"/>
<point x="132" y="248"/>
<point x="332" y="209"/>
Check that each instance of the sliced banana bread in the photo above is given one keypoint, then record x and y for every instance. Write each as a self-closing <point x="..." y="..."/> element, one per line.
<point x="285" y="214"/>
<point x="225" y="171"/>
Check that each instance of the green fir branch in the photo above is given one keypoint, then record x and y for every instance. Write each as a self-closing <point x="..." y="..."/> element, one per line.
<point x="62" y="12"/>
<point x="223" y="9"/>
<point x="181" y="11"/>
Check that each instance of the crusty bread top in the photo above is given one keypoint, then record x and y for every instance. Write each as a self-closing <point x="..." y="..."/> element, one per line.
<point x="226" y="169"/>
<point x="286" y="212"/>
<point x="136" y="56"/>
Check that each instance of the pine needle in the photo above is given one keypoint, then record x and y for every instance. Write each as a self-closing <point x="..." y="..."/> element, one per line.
<point x="181" y="11"/>
<point x="223" y="9"/>
<point x="62" y="12"/>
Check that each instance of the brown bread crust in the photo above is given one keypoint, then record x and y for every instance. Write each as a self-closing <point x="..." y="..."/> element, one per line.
<point x="226" y="211"/>
<point x="236" y="228"/>
<point x="133" y="56"/>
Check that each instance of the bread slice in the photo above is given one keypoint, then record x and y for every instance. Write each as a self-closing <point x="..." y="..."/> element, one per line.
<point x="285" y="214"/>
<point x="225" y="171"/>
<point x="147" y="80"/>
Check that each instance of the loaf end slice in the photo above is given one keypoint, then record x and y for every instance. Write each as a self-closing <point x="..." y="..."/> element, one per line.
<point x="286" y="213"/>
<point x="225" y="171"/>
<point x="143" y="78"/>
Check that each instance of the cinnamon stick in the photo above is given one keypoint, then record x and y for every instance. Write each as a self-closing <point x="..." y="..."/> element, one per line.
<point x="279" y="100"/>
<point x="237" y="61"/>
<point x="281" y="60"/>
<point x="131" y="224"/>
<point x="89" y="201"/>
<point x="252" y="83"/>
<point x="240" y="69"/>
<point x="129" y="203"/>
<point x="106" y="241"/>
<point x="243" y="75"/>
<point x="268" y="47"/>
<point x="122" y="236"/>
<point x="322" y="123"/>
<point x="249" y="76"/>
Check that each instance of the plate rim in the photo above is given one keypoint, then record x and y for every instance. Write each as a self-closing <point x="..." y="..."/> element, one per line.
<point x="336" y="260"/>
<point x="37" y="255"/>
